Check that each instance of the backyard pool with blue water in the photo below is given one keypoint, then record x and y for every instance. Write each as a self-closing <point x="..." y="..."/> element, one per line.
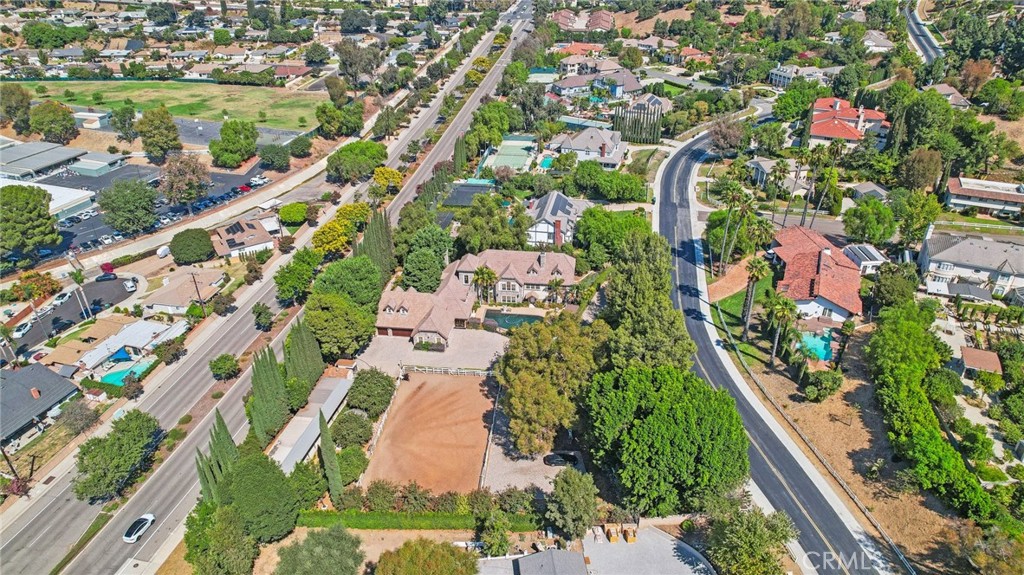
<point x="547" y="161"/>
<point x="117" y="377"/>
<point x="510" y="320"/>
<point x="820" y="345"/>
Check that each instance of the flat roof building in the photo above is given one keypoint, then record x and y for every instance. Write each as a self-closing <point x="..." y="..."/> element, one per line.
<point x="33" y="159"/>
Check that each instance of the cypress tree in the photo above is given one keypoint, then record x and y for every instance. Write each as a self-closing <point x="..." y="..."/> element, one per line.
<point x="329" y="462"/>
<point x="269" y="409"/>
<point x="206" y="481"/>
<point x="378" y="245"/>
<point x="302" y="358"/>
<point x="223" y="451"/>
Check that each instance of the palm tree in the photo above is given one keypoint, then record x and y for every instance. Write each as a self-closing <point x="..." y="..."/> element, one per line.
<point x="554" y="289"/>
<point x="484" y="279"/>
<point x="744" y="208"/>
<point x="835" y="151"/>
<point x="776" y="178"/>
<point x="781" y="312"/>
<point x="760" y="231"/>
<point x="757" y="270"/>
<point x="801" y="161"/>
<point x="732" y="195"/>
<point x="818" y="156"/>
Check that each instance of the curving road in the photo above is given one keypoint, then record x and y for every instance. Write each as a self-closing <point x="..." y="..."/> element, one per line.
<point x="920" y="36"/>
<point x="830" y="538"/>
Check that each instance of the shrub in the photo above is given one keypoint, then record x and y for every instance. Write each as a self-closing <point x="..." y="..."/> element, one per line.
<point x="515" y="501"/>
<point x="224" y="366"/>
<point x="355" y="519"/>
<point x="414" y="499"/>
<point x="191" y="246"/>
<point x="185" y="419"/>
<point x="823" y="384"/>
<point x="352" y="463"/>
<point x="300" y="147"/>
<point x="275" y="157"/>
<point x="351" y="428"/>
<point x="988" y="472"/>
<point x="481" y="502"/>
<point x="131" y="387"/>
<point x="77" y="416"/>
<point x="447" y="502"/>
<point x="1011" y="432"/>
<point x="1016" y="471"/>
<point x="352" y="498"/>
<point x="371" y="392"/>
<point x="217" y="394"/>
<point x="380" y="495"/>
<point x="293" y="214"/>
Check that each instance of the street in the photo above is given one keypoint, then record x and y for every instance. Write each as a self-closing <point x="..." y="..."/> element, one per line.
<point x="774" y="468"/>
<point x="919" y="34"/>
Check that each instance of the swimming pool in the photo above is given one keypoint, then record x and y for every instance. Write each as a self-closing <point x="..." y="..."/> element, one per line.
<point x="546" y="162"/>
<point x="510" y="320"/>
<point x="117" y="377"/>
<point x="819" y="345"/>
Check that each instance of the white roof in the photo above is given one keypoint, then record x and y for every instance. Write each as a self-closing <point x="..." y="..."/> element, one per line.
<point x="138" y="335"/>
<point x="60" y="197"/>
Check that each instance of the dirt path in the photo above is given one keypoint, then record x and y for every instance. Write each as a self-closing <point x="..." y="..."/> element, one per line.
<point x="734" y="281"/>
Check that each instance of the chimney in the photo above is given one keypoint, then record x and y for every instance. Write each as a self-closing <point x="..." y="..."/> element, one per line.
<point x="603" y="149"/>
<point x="543" y="259"/>
<point x="558" y="233"/>
<point x="35" y="393"/>
<point x="835" y="104"/>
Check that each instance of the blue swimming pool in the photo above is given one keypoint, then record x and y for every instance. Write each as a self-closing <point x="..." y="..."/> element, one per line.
<point x="819" y="345"/>
<point x="510" y="320"/>
<point x="117" y="377"/>
<point x="546" y="162"/>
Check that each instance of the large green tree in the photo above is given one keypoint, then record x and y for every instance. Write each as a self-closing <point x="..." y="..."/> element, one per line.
<point x="302" y="357"/>
<point x="748" y="542"/>
<point x="357" y="277"/>
<point x="15" y="104"/>
<point x="237" y="143"/>
<point x="159" y="133"/>
<point x="230" y="550"/>
<point x="544" y="371"/>
<point x="128" y="206"/>
<point x="54" y="121"/>
<point x="356" y="160"/>
<point x="915" y="212"/>
<point x="108" y="465"/>
<point x="341" y="326"/>
<point x="425" y="557"/>
<point x="122" y="119"/>
<point x="263" y="497"/>
<point x="214" y="467"/>
<point x="27" y="223"/>
<point x="332" y="550"/>
<point x="669" y="438"/>
<point x="422" y="271"/>
<point x="268" y="405"/>
<point x="869" y="221"/>
<point x="572" y="505"/>
<point x="329" y="461"/>
<point x="184" y="179"/>
<point x="488" y="225"/>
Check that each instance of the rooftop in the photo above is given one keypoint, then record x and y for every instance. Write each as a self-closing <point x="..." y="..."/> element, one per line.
<point x="19" y="388"/>
<point x="981" y="360"/>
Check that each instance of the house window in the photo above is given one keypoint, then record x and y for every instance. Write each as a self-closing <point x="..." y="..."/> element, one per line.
<point x="403" y="311"/>
<point x="465" y="279"/>
<point x="946" y="267"/>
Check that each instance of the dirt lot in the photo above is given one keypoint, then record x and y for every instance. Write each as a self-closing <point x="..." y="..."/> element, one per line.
<point x="435" y="433"/>
<point x="849" y="431"/>
<point x="375" y="542"/>
<point x="646" y="27"/>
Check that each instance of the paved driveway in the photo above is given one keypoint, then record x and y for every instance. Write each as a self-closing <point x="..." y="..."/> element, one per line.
<point x="654" y="553"/>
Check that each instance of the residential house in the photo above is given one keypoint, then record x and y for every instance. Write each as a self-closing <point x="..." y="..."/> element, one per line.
<point x="974" y="360"/>
<point x="252" y="68"/>
<point x="67" y="54"/>
<point x="818" y="276"/>
<point x="654" y="44"/>
<point x="573" y="86"/>
<point x="554" y="219"/>
<point x="854" y="16"/>
<point x="651" y="103"/>
<point x="575" y="65"/>
<point x="996" y="198"/>
<point x="761" y="170"/>
<point x="30" y="396"/>
<point x="866" y="257"/>
<point x="604" y="146"/>
<point x="188" y="55"/>
<point x="426" y="317"/>
<point x="621" y="84"/>
<point x="684" y="55"/>
<point x="870" y="190"/>
<point x="187" y="285"/>
<point x="203" y="70"/>
<point x="235" y="54"/>
<point x="836" y="119"/>
<point x="782" y="76"/>
<point x="242" y="237"/>
<point x="952" y="95"/>
<point x="522" y="276"/>
<point x="994" y="264"/>
<point x="876" y="42"/>
<point x="290" y="72"/>
<point x="597" y="21"/>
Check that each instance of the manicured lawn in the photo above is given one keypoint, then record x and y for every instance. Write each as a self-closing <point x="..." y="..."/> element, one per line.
<point x="951" y="217"/>
<point x="673" y="90"/>
<point x="195" y="100"/>
<point x="74" y="335"/>
<point x="732" y="311"/>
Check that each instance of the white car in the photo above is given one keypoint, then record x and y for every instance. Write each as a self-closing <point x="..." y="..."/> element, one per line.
<point x="61" y="298"/>
<point x="165" y="221"/>
<point x="118" y="237"/>
<point x="138" y="527"/>
<point x="44" y="311"/>
<point x="106" y="240"/>
<point x="21" y="329"/>
<point x="130" y="286"/>
<point x="87" y="214"/>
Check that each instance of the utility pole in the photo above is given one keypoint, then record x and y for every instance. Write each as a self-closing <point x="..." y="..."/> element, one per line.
<point x="82" y="303"/>
<point x="202" y="304"/>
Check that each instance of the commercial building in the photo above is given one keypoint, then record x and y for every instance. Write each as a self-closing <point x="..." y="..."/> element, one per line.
<point x="31" y="160"/>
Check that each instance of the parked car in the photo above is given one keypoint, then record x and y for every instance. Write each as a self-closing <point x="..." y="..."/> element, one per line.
<point x="107" y="277"/>
<point x="73" y="220"/>
<point x="88" y="214"/>
<point x="560" y="459"/>
<point x="118" y="237"/>
<point x="44" y="253"/>
<point x="21" y="329"/>
<point x="130" y="285"/>
<point x="60" y="325"/>
<point x="44" y="311"/>
<point x="165" y="221"/>
<point x="61" y="298"/>
<point x="106" y="240"/>
<point x="138" y="528"/>
<point x="93" y="310"/>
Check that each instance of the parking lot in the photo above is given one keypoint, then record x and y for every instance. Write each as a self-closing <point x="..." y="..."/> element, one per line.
<point x="93" y="233"/>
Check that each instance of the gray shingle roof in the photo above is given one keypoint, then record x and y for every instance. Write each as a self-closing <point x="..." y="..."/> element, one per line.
<point x="17" y="406"/>
<point x="978" y="252"/>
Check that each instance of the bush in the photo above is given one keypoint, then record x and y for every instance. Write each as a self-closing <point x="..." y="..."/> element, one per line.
<point x="352" y="498"/>
<point x="823" y="384"/>
<point x="300" y="147"/>
<point x="352" y="463"/>
<point x="515" y="501"/>
<point x="481" y="502"/>
<point x="185" y="419"/>
<point x="131" y="387"/>
<point x="371" y="392"/>
<point x="351" y="428"/>
<point x="380" y="495"/>
<point x="191" y="246"/>
<point x="414" y="499"/>
<point x="447" y="502"/>
<point x="224" y="366"/>
<point x="987" y="472"/>
<point x="217" y="394"/>
<point x="77" y="416"/>
<point x="354" y="519"/>
<point x="1011" y="432"/>
<point x="293" y="214"/>
<point x="1016" y="471"/>
<point x="275" y="157"/>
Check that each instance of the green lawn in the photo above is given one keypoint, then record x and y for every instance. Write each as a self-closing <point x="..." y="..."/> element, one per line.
<point x="74" y="335"/>
<point x="755" y="348"/>
<point x="673" y="90"/>
<point x="952" y="217"/>
<point x="195" y="100"/>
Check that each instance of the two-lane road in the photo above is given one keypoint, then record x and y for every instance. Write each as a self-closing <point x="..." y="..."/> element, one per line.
<point x="920" y="36"/>
<point x="829" y="542"/>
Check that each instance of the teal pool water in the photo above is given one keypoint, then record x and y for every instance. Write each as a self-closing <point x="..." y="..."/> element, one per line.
<point x="117" y="377"/>
<point x="510" y="320"/>
<point x="820" y="345"/>
<point x="546" y="162"/>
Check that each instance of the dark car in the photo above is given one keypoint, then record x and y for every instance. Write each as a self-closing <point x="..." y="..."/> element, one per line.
<point x="60" y="325"/>
<point x="561" y="459"/>
<point x="107" y="277"/>
<point x="93" y="310"/>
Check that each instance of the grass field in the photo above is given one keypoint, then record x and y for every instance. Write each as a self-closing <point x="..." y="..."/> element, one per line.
<point x="195" y="100"/>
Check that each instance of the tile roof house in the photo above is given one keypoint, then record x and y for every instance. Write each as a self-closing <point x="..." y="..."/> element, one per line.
<point x="818" y="275"/>
<point x="989" y="197"/>
<point x="185" y="286"/>
<point x="604" y="146"/>
<point x="522" y="276"/>
<point x="952" y="95"/>
<point x="994" y="264"/>
<point x="596" y="21"/>
<point x="554" y="219"/>
<point x="242" y="237"/>
<point x="28" y="396"/>
<point x="573" y="86"/>
<point x="837" y="119"/>
<point x="975" y="360"/>
<point x="581" y="49"/>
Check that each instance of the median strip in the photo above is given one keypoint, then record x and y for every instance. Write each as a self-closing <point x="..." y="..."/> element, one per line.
<point x="97" y="524"/>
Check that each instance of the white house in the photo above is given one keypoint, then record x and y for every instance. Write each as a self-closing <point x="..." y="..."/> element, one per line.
<point x="818" y="277"/>
<point x="997" y="198"/>
<point x="994" y="264"/>
<point x="604" y="146"/>
<point x="866" y="257"/>
<point x="554" y="219"/>
<point x="522" y="276"/>
<point x="876" y="42"/>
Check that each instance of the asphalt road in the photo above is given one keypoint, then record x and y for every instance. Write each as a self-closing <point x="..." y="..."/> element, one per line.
<point x="443" y="149"/>
<point x="823" y="535"/>
<point x="103" y="294"/>
<point x="920" y="35"/>
<point x="684" y="81"/>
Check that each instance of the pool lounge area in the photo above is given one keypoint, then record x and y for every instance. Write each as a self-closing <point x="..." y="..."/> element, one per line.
<point x="117" y="377"/>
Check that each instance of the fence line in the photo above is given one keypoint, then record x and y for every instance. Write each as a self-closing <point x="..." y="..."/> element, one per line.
<point x="835" y="475"/>
<point x="445" y="370"/>
<point x="379" y="430"/>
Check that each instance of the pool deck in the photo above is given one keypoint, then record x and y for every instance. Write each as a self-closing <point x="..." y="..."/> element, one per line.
<point x="481" y="311"/>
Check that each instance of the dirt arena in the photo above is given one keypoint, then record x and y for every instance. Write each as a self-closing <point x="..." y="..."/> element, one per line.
<point x="435" y="434"/>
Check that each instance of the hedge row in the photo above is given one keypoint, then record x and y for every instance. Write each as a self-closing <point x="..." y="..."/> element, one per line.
<point x="131" y="258"/>
<point x="397" y="520"/>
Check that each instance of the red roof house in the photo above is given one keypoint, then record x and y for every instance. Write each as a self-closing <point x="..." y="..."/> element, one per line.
<point x="837" y="119"/>
<point x="819" y="277"/>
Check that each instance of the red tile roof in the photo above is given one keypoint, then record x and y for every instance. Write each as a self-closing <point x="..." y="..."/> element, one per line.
<point x="581" y="48"/>
<point x="981" y="359"/>
<point x="835" y="129"/>
<point x="815" y="267"/>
